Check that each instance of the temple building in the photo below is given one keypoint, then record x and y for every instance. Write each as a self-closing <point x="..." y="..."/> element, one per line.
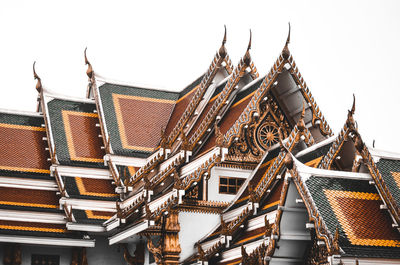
<point x="237" y="168"/>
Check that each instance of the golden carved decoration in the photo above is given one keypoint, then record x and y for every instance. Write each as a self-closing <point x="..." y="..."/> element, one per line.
<point x="138" y="257"/>
<point x="267" y="135"/>
<point x="39" y="86"/>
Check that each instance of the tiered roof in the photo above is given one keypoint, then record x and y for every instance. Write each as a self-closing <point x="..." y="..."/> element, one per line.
<point x="126" y="160"/>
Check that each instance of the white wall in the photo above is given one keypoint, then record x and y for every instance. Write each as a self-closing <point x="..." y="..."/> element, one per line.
<point x="213" y="182"/>
<point x="194" y="226"/>
<point x="104" y="254"/>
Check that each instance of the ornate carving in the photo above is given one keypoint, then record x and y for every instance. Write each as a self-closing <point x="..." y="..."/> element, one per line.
<point x="201" y="252"/>
<point x="217" y="105"/>
<point x="268" y="227"/>
<point x="317" y="254"/>
<point x="156" y="251"/>
<point x="245" y="256"/>
<point x="335" y="248"/>
<point x="219" y="137"/>
<point x="219" y="58"/>
<point x="224" y="226"/>
<point x="39" y="86"/>
<point x="164" y="141"/>
<point x="184" y="142"/>
<point x="267" y="135"/>
<point x="138" y="257"/>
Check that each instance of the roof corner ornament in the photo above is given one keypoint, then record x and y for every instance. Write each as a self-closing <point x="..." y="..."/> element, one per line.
<point x="184" y="142"/>
<point x="224" y="226"/>
<point x="286" y="52"/>
<point x="90" y="74"/>
<point x="350" y="120"/>
<point x="222" y="50"/>
<point x="268" y="227"/>
<point x="247" y="58"/>
<point x="39" y="86"/>
<point x="335" y="243"/>
<point x="200" y="251"/>
<point x="252" y="194"/>
<point x="89" y="71"/>
<point x="245" y="256"/>
<point x="164" y="141"/>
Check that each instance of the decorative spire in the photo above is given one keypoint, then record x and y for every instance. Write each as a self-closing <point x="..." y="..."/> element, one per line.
<point x="39" y="87"/>
<point x="353" y="108"/>
<point x="247" y="58"/>
<point x="335" y="243"/>
<point x="268" y="227"/>
<point x="89" y="71"/>
<point x="249" y="46"/>
<point x="350" y="120"/>
<point x="286" y="52"/>
<point x="222" y="50"/>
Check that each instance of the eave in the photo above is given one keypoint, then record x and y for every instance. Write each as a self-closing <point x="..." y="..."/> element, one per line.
<point x="48" y="241"/>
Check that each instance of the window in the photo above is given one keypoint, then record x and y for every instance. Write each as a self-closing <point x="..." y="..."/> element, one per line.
<point x="229" y="185"/>
<point x="38" y="259"/>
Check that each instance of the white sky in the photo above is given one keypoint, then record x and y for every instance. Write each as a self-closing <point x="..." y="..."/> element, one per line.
<point x="341" y="48"/>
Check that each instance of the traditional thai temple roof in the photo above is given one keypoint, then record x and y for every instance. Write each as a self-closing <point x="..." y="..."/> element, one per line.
<point x="234" y="169"/>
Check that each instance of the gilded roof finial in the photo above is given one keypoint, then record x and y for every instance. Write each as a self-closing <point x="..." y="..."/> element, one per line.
<point x="353" y="108"/>
<point x="39" y="87"/>
<point x="288" y="37"/>
<point x="350" y="120"/>
<point x="224" y="40"/>
<point x="286" y="52"/>
<point x="89" y="71"/>
<point x="249" y="46"/>
<point x="246" y="58"/>
<point x="222" y="49"/>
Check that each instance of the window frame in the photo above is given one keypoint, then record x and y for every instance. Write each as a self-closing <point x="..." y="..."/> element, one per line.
<point x="228" y="185"/>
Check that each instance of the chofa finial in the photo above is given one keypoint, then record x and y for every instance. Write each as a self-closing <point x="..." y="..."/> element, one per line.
<point x="222" y="50"/>
<point x="286" y="52"/>
<point x="89" y="71"/>
<point x="249" y="46"/>
<point x="36" y="77"/>
<point x="288" y="37"/>
<point x="224" y="40"/>
<point x="247" y="58"/>
<point x="350" y="120"/>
